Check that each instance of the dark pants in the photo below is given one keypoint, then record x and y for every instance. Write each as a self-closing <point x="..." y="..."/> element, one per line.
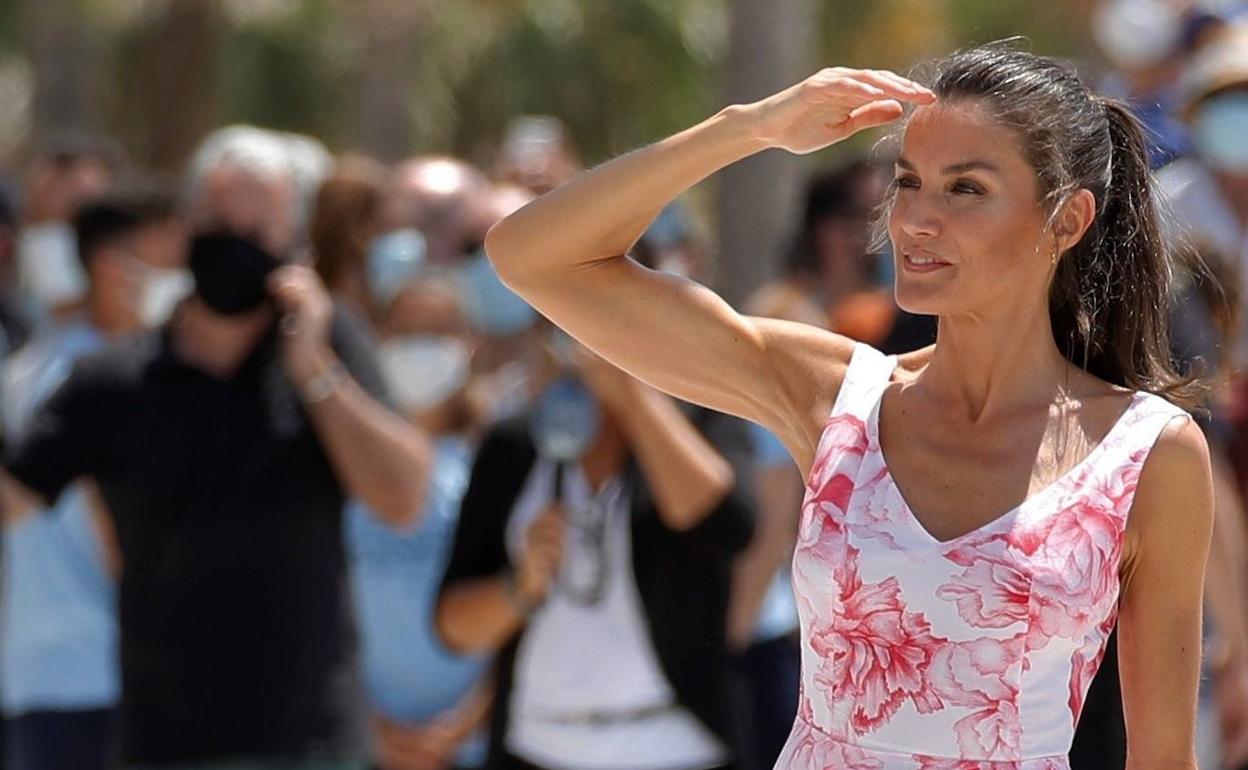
<point x="61" y="740"/>
<point x="771" y="672"/>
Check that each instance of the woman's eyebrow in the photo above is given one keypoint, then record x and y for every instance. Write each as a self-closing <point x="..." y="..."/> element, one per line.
<point x="956" y="168"/>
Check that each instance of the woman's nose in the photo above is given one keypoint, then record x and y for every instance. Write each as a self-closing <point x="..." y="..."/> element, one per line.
<point x="917" y="219"/>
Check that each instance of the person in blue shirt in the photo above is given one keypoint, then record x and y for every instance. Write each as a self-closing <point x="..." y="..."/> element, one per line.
<point x="426" y="701"/>
<point x="59" y="681"/>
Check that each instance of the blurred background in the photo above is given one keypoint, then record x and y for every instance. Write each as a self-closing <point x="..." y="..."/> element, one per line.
<point x="377" y="141"/>
<point x="392" y="78"/>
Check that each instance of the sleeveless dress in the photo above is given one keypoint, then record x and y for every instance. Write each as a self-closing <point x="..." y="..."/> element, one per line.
<point x="969" y="654"/>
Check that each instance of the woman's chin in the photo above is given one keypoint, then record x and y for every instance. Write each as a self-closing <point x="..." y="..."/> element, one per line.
<point x="919" y="301"/>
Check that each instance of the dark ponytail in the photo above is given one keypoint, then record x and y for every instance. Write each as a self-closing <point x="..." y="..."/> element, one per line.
<point x="1109" y="303"/>
<point x="1110" y="297"/>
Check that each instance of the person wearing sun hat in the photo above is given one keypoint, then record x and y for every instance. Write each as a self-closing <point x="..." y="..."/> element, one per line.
<point x="1208" y="192"/>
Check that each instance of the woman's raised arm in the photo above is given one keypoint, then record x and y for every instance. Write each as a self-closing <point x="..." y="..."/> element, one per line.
<point x="565" y="254"/>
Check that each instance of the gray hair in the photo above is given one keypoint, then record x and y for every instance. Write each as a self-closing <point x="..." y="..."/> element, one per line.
<point x="267" y="155"/>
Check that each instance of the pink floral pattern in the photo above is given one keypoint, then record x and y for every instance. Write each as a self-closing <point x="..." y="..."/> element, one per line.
<point x="920" y="655"/>
<point x="991" y="591"/>
<point x="874" y="654"/>
<point x="807" y="748"/>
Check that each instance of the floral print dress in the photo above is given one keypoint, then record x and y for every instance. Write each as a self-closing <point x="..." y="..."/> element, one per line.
<point x="968" y="654"/>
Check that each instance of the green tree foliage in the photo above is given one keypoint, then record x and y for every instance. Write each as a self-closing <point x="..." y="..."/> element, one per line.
<point x="618" y="72"/>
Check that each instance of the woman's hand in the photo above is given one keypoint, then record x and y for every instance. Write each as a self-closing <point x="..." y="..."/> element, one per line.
<point x="543" y="553"/>
<point x="832" y="105"/>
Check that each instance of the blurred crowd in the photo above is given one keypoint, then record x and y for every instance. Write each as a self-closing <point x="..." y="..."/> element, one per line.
<point x="294" y="481"/>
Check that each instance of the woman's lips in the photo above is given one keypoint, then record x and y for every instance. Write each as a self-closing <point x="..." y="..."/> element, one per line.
<point x="922" y="263"/>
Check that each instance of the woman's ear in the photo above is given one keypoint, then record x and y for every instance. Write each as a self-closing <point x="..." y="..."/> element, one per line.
<point x="1073" y="219"/>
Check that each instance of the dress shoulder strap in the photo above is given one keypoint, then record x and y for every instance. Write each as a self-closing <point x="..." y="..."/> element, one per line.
<point x="1115" y="470"/>
<point x="1143" y="424"/>
<point x="868" y="374"/>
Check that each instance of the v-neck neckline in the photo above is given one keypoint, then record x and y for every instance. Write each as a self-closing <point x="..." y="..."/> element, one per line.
<point x="912" y="519"/>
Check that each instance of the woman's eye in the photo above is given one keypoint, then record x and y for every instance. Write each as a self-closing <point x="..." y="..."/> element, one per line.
<point x="905" y="181"/>
<point x="968" y="188"/>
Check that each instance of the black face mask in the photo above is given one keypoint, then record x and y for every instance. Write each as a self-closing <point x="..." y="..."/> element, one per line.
<point x="230" y="272"/>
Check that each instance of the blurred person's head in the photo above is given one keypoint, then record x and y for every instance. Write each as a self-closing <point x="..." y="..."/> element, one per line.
<point x="243" y="181"/>
<point x="1140" y="38"/>
<point x="536" y="154"/>
<point x="431" y="194"/>
<point x="66" y="172"/>
<point x="427" y="356"/>
<point x="495" y="311"/>
<point x="346" y="219"/>
<point x="1022" y="195"/>
<point x="830" y="248"/>
<point x="132" y="246"/>
<point x="1216" y="87"/>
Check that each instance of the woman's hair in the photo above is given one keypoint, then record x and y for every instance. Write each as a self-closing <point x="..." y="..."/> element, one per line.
<point x="1109" y="301"/>
<point x="346" y="215"/>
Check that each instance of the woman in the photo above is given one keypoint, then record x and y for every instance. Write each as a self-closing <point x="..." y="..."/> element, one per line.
<point x="427" y="705"/>
<point x="594" y="554"/>
<point x="955" y="600"/>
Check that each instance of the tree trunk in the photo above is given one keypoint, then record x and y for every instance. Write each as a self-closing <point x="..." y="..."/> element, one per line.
<point x="56" y="42"/>
<point x="771" y="46"/>
<point x="167" y="103"/>
<point x="385" y="96"/>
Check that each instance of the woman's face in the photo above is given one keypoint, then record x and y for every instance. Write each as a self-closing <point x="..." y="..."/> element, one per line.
<point x="967" y="226"/>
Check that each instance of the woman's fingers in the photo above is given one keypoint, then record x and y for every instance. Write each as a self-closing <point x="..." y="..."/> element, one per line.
<point x="873" y="114"/>
<point x="846" y="85"/>
<point x="903" y="83"/>
<point x="877" y="85"/>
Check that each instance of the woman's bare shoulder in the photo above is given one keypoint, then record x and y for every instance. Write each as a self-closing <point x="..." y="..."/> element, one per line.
<point x="1171" y="516"/>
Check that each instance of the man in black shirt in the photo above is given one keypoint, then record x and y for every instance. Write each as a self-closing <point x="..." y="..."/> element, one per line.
<point x="223" y="445"/>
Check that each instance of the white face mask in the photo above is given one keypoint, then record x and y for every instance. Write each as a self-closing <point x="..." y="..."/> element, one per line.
<point x="1220" y="132"/>
<point x="163" y="289"/>
<point x="48" y="264"/>
<point x="424" y="371"/>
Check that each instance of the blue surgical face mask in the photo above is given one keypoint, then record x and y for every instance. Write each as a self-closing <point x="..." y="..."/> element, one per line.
<point x="394" y="258"/>
<point x="1220" y="132"/>
<point x="565" y="420"/>
<point x="494" y="309"/>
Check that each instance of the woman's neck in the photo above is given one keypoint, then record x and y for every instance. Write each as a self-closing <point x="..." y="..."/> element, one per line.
<point x="983" y="368"/>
